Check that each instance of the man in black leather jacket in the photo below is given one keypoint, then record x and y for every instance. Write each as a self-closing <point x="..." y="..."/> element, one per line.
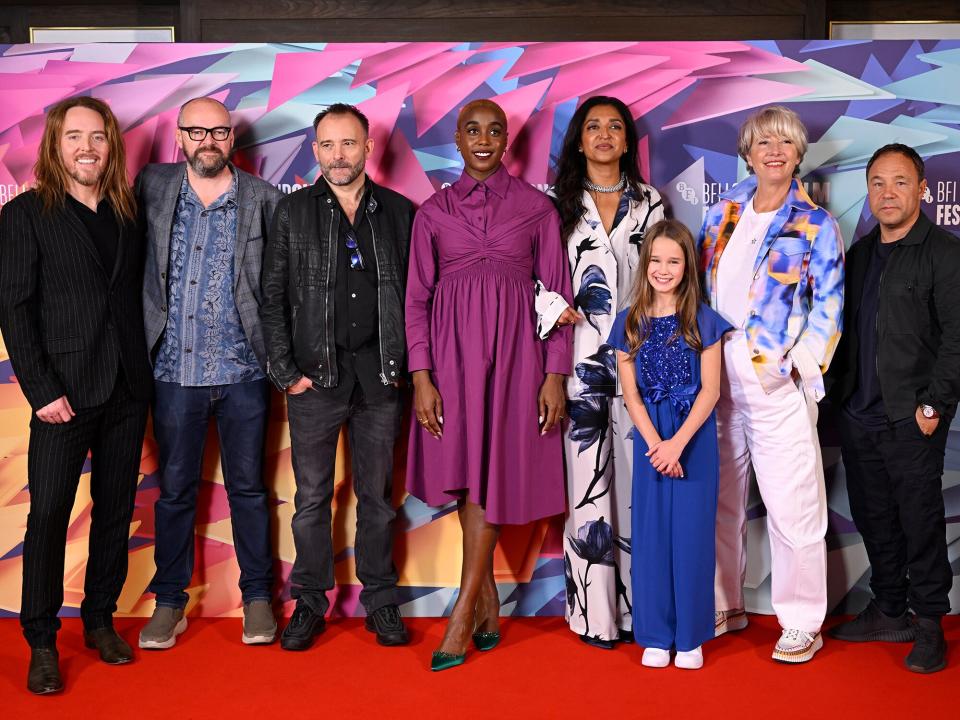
<point x="333" y="292"/>
<point x="896" y="378"/>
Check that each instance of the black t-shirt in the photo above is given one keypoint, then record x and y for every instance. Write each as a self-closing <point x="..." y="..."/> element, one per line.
<point x="866" y="404"/>
<point x="103" y="228"/>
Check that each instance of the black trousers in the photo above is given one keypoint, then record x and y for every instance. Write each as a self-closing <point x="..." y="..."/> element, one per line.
<point x="113" y="435"/>
<point x="896" y="498"/>
<point x="316" y="417"/>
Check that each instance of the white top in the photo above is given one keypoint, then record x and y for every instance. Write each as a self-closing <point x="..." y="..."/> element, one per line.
<point x="735" y="268"/>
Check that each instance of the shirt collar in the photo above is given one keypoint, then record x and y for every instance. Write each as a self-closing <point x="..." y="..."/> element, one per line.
<point x="796" y="197"/>
<point x="916" y="235"/>
<point x="498" y="183"/>
<point x="229" y="197"/>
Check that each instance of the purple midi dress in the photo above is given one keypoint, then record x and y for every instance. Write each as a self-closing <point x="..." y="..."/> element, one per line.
<point x="475" y="251"/>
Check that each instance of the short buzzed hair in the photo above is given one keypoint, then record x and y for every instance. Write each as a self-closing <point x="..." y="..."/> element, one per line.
<point x="342" y="109"/>
<point x="198" y="99"/>
<point x="901" y="149"/>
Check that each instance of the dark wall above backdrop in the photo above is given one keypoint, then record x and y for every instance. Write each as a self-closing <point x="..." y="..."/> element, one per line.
<point x="490" y="20"/>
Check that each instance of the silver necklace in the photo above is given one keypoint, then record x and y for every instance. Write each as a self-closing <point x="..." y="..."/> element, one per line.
<point x="606" y="188"/>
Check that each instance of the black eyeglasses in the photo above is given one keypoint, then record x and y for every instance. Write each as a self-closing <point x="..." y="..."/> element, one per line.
<point x="198" y="134"/>
<point x="356" y="259"/>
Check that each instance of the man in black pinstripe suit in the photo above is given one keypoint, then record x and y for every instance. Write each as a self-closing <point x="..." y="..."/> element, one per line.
<point x="71" y="263"/>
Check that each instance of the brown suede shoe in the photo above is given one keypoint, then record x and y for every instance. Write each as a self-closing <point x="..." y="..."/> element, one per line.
<point x="113" y="649"/>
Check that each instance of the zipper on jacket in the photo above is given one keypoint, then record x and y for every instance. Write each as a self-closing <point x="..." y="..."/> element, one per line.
<point x="326" y="284"/>
<point x="876" y="321"/>
<point x="376" y="260"/>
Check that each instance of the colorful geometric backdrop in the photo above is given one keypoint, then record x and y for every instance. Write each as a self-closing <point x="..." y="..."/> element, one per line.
<point x="688" y="99"/>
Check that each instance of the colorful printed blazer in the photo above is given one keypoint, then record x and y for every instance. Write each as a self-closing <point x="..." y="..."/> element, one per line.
<point x="796" y="299"/>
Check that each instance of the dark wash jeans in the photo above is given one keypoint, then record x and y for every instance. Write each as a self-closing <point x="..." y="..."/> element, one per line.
<point x="316" y="417"/>
<point x="896" y="499"/>
<point x="180" y="419"/>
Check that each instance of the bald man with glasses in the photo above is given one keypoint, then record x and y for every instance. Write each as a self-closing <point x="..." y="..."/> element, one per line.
<point x="206" y="226"/>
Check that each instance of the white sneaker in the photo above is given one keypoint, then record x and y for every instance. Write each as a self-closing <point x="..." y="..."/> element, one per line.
<point x="689" y="659"/>
<point x="655" y="657"/>
<point x="725" y="621"/>
<point x="797" y="646"/>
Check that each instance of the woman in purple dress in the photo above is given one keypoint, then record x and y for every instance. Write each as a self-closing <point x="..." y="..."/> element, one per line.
<point x="488" y="393"/>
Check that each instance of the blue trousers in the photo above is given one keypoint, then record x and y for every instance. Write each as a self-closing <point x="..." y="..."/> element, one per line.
<point x="180" y="419"/>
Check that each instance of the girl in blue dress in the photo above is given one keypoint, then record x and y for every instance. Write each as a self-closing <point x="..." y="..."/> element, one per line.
<point x="668" y="355"/>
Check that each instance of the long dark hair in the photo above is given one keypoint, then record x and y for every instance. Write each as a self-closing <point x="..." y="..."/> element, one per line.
<point x="639" y="324"/>
<point x="572" y="164"/>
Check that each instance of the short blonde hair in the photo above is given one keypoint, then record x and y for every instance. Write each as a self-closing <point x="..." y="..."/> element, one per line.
<point x="773" y="120"/>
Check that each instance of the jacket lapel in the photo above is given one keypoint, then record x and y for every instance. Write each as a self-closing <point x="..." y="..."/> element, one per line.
<point x="246" y="201"/>
<point x="123" y="237"/>
<point x="168" y="207"/>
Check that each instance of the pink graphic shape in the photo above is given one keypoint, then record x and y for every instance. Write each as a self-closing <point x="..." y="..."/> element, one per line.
<point x="382" y="110"/>
<point x="583" y="77"/>
<point x="529" y="153"/>
<point x="548" y="55"/>
<point x="686" y="59"/>
<point x="21" y="104"/>
<point x="491" y="46"/>
<point x="752" y="62"/>
<point x="643" y="152"/>
<point x="153" y="55"/>
<point x="423" y="73"/>
<point x="277" y="157"/>
<point x="36" y="81"/>
<point x="129" y="100"/>
<point x="636" y="87"/>
<point x="6" y="177"/>
<point x="518" y="105"/>
<point x="696" y="47"/>
<point x="639" y="109"/>
<point x="392" y="61"/>
<point x="434" y="100"/>
<point x="139" y="144"/>
<point x="293" y="73"/>
<point x="92" y="72"/>
<point x="399" y="168"/>
<point x="721" y="96"/>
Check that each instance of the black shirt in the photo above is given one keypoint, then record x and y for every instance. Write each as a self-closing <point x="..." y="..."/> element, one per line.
<point x="103" y="228"/>
<point x="355" y="308"/>
<point x="866" y="404"/>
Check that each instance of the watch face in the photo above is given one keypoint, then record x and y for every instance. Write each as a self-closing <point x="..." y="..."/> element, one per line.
<point x="928" y="412"/>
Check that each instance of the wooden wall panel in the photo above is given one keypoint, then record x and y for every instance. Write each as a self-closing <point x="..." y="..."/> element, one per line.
<point x="503" y="20"/>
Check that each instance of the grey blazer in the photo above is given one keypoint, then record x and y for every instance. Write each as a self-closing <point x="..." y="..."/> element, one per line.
<point x="157" y="188"/>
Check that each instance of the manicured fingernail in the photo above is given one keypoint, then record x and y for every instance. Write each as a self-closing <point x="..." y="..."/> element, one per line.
<point x="540" y="419"/>
<point x="440" y="419"/>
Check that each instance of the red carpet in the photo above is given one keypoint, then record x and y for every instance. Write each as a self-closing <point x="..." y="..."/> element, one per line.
<point x="540" y="670"/>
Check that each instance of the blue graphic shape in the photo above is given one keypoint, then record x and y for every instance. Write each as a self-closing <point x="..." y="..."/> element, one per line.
<point x="830" y="84"/>
<point x="684" y="195"/>
<point x="431" y="162"/>
<point x="943" y="58"/>
<point x="910" y="65"/>
<point x="251" y="64"/>
<point x="867" y="136"/>
<point x="943" y="114"/>
<point x="874" y="74"/>
<point x="718" y="165"/>
<point x="949" y="143"/>
<point x="819" y="45"/>
<point x="496" y="81"/>
<point x="937" y="86"/>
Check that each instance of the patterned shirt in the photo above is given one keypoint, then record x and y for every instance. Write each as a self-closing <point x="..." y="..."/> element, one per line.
<point x="204" y="343"/>
<point x="795" y="306"/>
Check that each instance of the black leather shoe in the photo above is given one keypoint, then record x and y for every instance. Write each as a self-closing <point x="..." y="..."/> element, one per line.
<point x="113" y="649"/>
<point x="929" y="652"/>
<point x="873" y="624"/>
<point x="597" y="642"/>
<point x="388" y="625"/>
<point x="44" y="675"/>
<point x="303" y="628"/>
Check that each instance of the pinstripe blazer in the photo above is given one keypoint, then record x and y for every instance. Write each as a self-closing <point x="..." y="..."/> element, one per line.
<point x="157" y="188"/>
<point x="69" y="322"/>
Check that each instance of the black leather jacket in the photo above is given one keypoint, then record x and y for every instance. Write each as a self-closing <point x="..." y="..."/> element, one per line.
<point x="299" y="274"/>
<point x="918" y="322"/>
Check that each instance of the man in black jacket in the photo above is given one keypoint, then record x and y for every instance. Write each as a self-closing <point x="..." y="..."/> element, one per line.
<point x="71" y="259"/>
<point x="332" y="315"/>
<point x="896" y="376"/>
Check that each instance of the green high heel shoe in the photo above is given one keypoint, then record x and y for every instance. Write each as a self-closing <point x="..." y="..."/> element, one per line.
<point x="444" y="660"/>
<point x="484" y="641"/>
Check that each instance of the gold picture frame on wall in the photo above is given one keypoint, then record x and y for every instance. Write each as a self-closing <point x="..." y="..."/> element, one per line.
<point x="70" y="35"/>
<point x="894" y="30"/>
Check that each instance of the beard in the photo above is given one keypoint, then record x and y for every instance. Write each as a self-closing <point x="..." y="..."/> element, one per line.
<point x="88" y="179"/>
<point x="207" y="168"/>
<point x="355" y="170"/>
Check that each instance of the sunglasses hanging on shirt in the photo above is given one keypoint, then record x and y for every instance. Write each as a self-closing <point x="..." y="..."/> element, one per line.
<point x="356" y="259"/>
